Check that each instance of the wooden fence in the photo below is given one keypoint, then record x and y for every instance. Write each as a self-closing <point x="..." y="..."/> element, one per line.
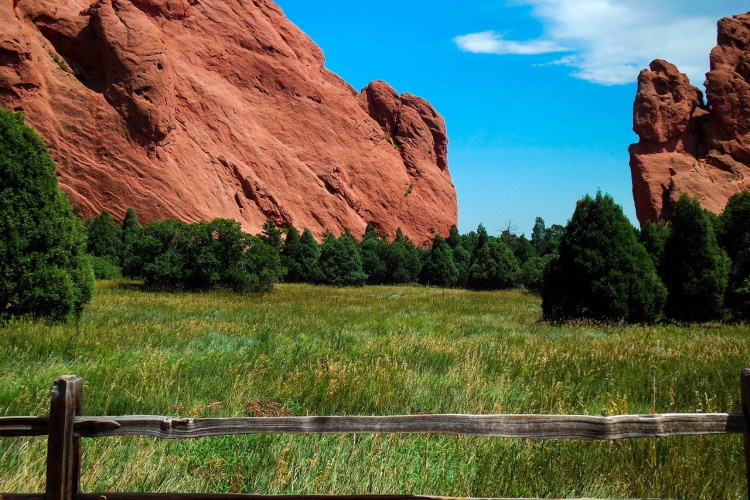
<point x="65" y="427"/>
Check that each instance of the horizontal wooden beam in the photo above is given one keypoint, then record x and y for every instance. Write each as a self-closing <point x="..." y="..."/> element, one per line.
<point x="240" y="496"/>
<point x="24" y="426"/>
<point x="511" y="426"/>
<point x="22" y="496"/>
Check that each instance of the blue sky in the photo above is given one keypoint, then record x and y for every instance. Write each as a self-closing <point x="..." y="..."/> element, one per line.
<point x="537" y="94"/>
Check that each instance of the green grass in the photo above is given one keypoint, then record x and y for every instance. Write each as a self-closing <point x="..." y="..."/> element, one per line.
<point x="375" y="350"/>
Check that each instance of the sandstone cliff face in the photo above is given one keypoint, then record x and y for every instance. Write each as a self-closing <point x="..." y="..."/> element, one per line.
<point x="686" y="145"/>
<point x="198" y="109"/>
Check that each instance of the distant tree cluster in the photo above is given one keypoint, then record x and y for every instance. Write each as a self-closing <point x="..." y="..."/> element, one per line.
<point x="695" y="268"/>
<point x="172" y="255"/>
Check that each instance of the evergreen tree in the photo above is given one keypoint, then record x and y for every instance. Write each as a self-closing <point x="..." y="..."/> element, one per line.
<point x="537" y="235"/>
<point x="532" y="272"/>
<point x="438" y="268"/>
<point x="132" y="232"/>
<point x="462" y="260"/>
<point x="602" y="272"/>
<point x="44" y="271"/>
<point x="521" y="247"/>
<point x="290" y="253"/>
<point x="653" y="237"/>
<point x="453" y="239"/>
<point x="104" y="237"/>
<point x="373" y="266"/>
<point x="401" y="260"/>
<point x="494" y="268"/>
<point x="694" y="268"/>
<point x="271" y="235"/>
<point x="734" y="237"/>
<point x="306" y="267"/>
<point x="370" y="233"/>
<point x="482" y="238"/>
<point x="340" y="262"/>
<point x="208" y="255"/>
<point x="156" y="239"/>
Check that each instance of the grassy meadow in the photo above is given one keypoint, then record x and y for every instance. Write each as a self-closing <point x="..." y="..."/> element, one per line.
<point x="309" y="350"/>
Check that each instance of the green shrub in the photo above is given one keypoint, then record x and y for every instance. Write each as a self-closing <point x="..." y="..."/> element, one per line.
<point x="105" y="268"/>
<point x="43" y="267"/>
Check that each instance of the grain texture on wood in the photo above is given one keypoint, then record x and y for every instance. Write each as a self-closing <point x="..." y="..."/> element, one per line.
<point x="61" y="454"/>
<point x="745" y="384"/>
<point x="23" y="426"/>
<point x="513" y="426"/>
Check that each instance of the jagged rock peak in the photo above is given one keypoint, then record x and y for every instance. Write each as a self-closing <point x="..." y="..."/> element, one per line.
<point x="687" y="145"/>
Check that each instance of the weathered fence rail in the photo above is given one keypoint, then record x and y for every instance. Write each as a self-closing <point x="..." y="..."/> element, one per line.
<point x="509" y="426"/>
<point x="65" y="427"/>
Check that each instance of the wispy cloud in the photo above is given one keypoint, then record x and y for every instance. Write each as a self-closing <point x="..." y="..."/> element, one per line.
<point x="492" y="42"/>
<point x="610" y="41"/>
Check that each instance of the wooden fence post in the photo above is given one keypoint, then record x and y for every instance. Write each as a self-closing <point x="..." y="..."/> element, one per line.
<point x="746" y="411"/>
<point x="63" y="449"/>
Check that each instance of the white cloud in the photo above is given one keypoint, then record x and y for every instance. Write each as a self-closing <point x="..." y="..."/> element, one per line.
<point x="612" y="40"/>
<point x="491" y="42"/>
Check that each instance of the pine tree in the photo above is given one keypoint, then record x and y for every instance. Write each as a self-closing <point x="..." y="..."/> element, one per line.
<point x="371" y="250"/>
<point x="370" y="233"/>
<point x="438" y="268"/>
<point x="207" y="255"/>
<point x="340" y="262"/>
<point x="462" y="260"/>
<point x="734" y="237"/>
<point x="132" y="232"/>
<point x="454" y="238"/>
<point x="653" y="237"/>
<point x="494" y="268"/>
<point x="537" y="236"/>
<point x="602" y="272"/>
<point x="44" y="270"/>
<point x="482" y="238"/>
<point x="290" y="253"/>
<point x="104" y="236"/>
<point x="694" y="268"/>
<point x="271" y="234"/>
<point x="306" y="266"/>
<point x="401" y="260"/>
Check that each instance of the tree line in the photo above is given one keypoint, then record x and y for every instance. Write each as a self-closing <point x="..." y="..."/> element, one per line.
<point x="173" y="255"/>
<point x="694" y="268"/>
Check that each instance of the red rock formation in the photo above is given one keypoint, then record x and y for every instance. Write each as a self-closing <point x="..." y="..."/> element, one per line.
<point x="687" y="146"/>
<point x="198" y="110"/>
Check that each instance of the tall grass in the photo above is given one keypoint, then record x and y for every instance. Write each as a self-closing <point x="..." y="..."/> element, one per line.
<point x="379" y="350"/>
